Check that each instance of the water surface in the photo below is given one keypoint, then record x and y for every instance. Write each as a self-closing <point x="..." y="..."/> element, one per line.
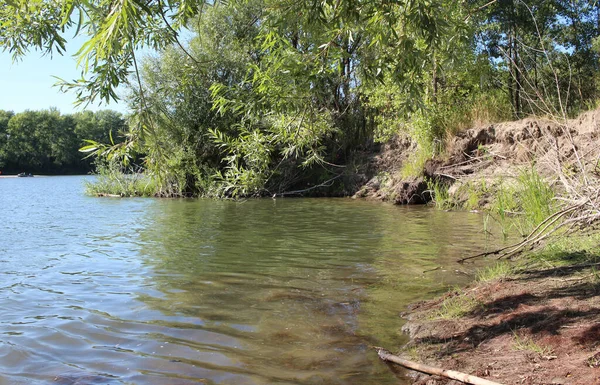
<point x="147" y="291"/>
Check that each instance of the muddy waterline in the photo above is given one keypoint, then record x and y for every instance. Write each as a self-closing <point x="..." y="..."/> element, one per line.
<point x="146" y="291"/>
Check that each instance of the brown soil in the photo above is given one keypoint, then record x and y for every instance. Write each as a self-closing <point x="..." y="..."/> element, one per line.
<point x="541" y="327"/>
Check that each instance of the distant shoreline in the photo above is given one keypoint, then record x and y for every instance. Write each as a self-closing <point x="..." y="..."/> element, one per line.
<point x="35" y="175"/>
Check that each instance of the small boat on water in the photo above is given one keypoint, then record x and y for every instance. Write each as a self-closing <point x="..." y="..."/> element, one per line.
<point x="25" y="175"/>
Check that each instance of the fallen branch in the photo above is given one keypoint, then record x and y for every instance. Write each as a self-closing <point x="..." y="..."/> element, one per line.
<point x="562" y="268"/>
<point x="538" y="234"/>
<point x="572" y="279"/>
<point x="446" y="175"/>
<point x="327" y="183"/>
<point x="463" y="377"/>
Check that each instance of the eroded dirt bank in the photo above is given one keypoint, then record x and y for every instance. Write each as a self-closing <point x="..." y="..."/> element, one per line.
<point x="540" y="327"/>
<point x="486" y="153"/>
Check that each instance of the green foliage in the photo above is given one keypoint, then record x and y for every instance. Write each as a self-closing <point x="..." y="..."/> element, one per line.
<point x="266" y="95"/>
<point x="5" y="117"/>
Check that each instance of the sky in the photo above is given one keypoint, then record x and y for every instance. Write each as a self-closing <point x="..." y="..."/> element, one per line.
<point x="28" y="83"/>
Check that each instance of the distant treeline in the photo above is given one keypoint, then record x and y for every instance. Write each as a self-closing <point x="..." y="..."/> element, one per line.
<point x="48" y="142"/>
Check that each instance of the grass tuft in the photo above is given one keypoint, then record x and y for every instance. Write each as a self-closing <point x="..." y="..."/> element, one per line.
<point x="440" y="195"/>
<point x="528" y="344"/>
<point x="536" y="197"/>
<point x="522" y="203"/>
<point x="456" y="306"/>
<point x="499" y="271"/>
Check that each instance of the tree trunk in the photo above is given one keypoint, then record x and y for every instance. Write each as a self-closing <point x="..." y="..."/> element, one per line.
<point x="434" y="80"/>
<point x="511" y="74"/>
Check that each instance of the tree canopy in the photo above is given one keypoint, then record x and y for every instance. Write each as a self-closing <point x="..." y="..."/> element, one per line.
<point x="253" y="97"/>
<point x="48" y="142"/>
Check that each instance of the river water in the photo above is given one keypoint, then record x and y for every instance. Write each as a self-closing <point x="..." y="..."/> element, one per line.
<point x="149" y="291"/>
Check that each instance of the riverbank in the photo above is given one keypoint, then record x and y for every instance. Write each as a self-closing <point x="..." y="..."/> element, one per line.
<point x="533" y="320"/>
<point x="537" y="326"/>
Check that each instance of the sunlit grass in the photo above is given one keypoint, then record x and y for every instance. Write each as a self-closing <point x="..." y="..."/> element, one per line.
<point x="528" y="344"/>
<point x="536" y="197"/>
<point x="440" y="195"/>
<point x="123" y="185"/>
<point x="415" y="164"/>
<point x="499" y="271"/>
<point x="574" y="249"/>
<point x="456" y="306"/>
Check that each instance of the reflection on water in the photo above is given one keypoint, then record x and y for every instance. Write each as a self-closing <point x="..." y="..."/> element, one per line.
<point x="287" y="291"/>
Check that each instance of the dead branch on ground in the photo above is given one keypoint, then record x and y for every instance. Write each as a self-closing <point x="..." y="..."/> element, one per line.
<point x="452" y="374"/>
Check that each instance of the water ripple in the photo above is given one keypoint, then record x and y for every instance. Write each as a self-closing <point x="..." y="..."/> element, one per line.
<point x="148" y="292"/>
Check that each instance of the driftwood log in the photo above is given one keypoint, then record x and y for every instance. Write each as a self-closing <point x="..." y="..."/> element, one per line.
<point x="452" y="374"/>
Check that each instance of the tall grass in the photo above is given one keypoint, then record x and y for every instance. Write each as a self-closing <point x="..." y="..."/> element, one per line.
<point x="112" y="179"/>
<point x="536" y="197"/>
<point x="415" y="164"/>
<point x="474" y="192"/>
<point x="490" y="107"/>
<point x="440" y="195"/>
<point x="484" y="108"/>
<point x="424" y="131"/>
<point x="505" y="203"/>
<point x="522" y="203"/>
<point x="432" y="127"/>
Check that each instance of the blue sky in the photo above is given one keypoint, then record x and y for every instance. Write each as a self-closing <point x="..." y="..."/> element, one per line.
<point x="28" y="83"/>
